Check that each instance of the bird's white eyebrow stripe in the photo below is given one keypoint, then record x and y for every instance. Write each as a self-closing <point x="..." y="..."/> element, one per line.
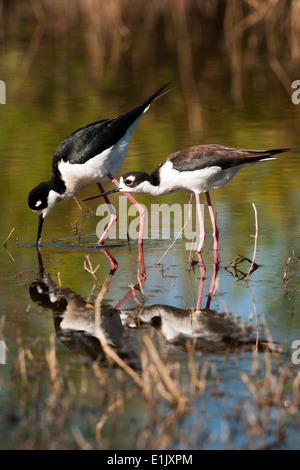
<point x="38" y="203"/>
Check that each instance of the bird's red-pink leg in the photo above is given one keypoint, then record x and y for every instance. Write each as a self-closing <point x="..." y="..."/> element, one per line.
<point x="201" y="282"/>
<point x="113" y="216"/>
<point x="213" y="221"/>
<point x="113" y="261"/>
<point x="138" y="206"/>
<point x="213" y="278"/>
<point x="141" y="279"/>
<point x="202" y="278"/>
<point x="201" y="223"/>
<point x="215" y="272"/>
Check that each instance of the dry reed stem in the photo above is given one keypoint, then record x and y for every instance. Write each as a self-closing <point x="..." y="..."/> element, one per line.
<point x="53" y="367"/>
<point x="22" y="361"/>
<point x="255" y="241"/>
<point x="147" y="384"/>
<point x="99" y="374"/>
<point x="110" y="409"/>
<point x="295" y="395"/>
<point x="170" y="390"/>
<point x="77" y="202"/>
<point x="9" y="254"/>
<point x="236" y="30"/>
<point x="271" y="343"/>
<point x="256" y="319"/>
<point x="270" y="391"/>
<point x="91" y="270"/>
<point x="218" y="290"/>
<point x="197" y="380"/>
<point x="272" y="46"/>
<point x="108" y="351"/>
<point x="2" y="322"/>
<point x="285" y="277"/>
<point x="7" y="238"/>
<point x="79" y="439"/>
<point x="59" y="282"/>
<point x="179" y="20"/>
<point x="253" y="389"/>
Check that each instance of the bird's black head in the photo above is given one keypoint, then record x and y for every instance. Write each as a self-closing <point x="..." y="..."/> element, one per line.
<point x="134" y="182"/>
<point x="44" y="197"/>
<point x="38" y="198"/>
<point x="41" y="200"/>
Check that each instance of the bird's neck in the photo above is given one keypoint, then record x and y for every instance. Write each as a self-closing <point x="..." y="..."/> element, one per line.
<point x="56" y="182"/>
<point x="159" y="184"/>
<point x="57" y="185"/>
<point x="154" y="187"/>
<point x="151" y="185"/>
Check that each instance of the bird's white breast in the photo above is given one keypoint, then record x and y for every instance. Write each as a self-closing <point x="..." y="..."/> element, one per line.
<point x="198" y="181"/>
<point x="78" y="175"/>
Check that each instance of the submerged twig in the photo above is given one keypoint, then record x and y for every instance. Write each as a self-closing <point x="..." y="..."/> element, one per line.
<point x="91" y="270"/>
<point x="237" y="261"/>
<point x="9" y="235"/>
<point x="285" y="276"/>
<point x="9" y="254"/>
<point x="82" y="211"/>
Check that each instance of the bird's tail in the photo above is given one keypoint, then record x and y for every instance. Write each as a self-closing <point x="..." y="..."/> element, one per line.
<point x="157" y="95"/>
<point x="270" y="153"/>
<point x="251" y="157"/>
<point x="255" y="156"/>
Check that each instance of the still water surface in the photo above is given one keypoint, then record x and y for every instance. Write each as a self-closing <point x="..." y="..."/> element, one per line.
<point x="29" y="135"/>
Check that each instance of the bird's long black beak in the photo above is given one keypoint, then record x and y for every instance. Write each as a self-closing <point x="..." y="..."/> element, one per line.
<point x="40" y="226"/>
<point x="115" y="190"/>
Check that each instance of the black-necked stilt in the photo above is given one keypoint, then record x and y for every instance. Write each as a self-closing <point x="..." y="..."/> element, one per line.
<point x="199" y="169"/>
<point x="92" y="154"/>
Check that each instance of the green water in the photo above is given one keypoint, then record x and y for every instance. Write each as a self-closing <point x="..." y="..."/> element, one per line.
<point x="40" y="112"/>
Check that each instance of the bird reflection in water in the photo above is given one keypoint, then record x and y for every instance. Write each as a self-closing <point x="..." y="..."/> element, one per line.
<point x="74" y="319"/>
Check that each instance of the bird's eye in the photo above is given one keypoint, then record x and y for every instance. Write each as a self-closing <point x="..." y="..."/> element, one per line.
<point x="128" y="182"/>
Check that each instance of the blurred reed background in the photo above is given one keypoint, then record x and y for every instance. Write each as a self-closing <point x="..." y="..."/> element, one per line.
<point x="216" y="41"/>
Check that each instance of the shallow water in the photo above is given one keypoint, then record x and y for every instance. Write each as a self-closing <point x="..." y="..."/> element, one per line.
<point x="31" y="130"/>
